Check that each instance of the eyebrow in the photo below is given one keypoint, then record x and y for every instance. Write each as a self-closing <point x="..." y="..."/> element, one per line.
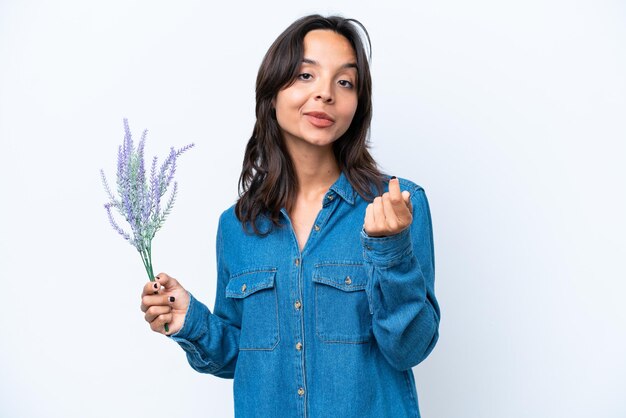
<point x="313" y="62"/>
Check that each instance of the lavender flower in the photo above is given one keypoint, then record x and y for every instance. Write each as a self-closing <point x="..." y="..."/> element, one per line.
<point x="138" y="199"/>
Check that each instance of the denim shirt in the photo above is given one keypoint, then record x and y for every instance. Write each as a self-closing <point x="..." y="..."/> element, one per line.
<point x="330" y="331"/>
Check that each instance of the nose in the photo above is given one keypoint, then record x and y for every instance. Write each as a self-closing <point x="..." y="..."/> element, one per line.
<point x="324" y="92"/>
<point x="326" y="98"/>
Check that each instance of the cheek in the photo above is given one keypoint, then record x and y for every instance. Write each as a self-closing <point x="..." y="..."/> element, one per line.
<point x="284" y="116"/>
<point x="290" y="98"/>
<point x="349" y="110"/>
<point x="288" y="104"/>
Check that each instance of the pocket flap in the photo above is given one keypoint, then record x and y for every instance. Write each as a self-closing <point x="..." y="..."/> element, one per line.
<point x="346" y="277"/>
<point x="246" y="283"/>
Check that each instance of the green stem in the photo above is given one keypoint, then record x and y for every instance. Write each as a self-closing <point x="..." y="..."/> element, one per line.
<point x="146" y="258"/>
<point x="149" y="258"/>
<point x="146" y="265"/>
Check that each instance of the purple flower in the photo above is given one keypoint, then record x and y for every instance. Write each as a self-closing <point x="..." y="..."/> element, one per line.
<point x="138" y="198"/>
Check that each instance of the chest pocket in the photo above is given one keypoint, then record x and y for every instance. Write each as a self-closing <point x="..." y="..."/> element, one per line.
<point x="256" y="295"/>
<point x="341" y="307"/>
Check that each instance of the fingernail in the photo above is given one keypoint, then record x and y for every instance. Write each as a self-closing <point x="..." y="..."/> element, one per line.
<point x="393" y="177"/>
<point x="156" y="292"/>
<point x="156" y="286"/>
<point x="157" y="277"/>
<point x="172" y="298"/>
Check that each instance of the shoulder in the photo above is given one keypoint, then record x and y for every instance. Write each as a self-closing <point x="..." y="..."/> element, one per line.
<point x="230" y="224"/>
<point x="229" y="220"/>
<point x="418" y="194"/>
<point x="409" y="185"/>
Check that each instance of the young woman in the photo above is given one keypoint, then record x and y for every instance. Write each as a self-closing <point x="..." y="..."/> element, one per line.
<point x="325" y="282"/>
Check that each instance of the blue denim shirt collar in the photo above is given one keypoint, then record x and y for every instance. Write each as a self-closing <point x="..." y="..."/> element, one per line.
<point x="344" y="189"/>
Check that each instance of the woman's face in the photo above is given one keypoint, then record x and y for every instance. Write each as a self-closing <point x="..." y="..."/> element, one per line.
<point x="318" y="107"/>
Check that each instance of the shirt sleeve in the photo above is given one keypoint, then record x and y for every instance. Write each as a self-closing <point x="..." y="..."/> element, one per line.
<point x="211" y="339"/>
<point x="401" y="274"/>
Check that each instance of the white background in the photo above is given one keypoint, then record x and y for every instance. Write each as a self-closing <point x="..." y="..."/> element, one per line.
<point x="510" y="114"/>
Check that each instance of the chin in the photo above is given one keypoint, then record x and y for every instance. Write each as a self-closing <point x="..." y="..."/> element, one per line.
<point x="321" y="142"/>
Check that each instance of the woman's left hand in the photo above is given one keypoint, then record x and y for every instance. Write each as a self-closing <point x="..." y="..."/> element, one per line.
<point x="390" y="213"/>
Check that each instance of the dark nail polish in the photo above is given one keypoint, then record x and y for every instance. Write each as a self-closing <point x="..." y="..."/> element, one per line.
<point x="158" y="278"/>
<point x="156" y="292"/>
<point x="172" y="298"/>
<point x="156" y="286"/>
<point x="393" y="177"/>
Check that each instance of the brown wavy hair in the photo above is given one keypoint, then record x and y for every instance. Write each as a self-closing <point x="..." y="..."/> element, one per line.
<point x="268" y="182"/>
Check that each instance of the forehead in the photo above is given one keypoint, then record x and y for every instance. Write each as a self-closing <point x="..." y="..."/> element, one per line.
<point x="322" y="43"/>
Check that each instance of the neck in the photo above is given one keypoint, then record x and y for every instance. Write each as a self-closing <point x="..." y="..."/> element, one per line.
<point x="316" y="170"/>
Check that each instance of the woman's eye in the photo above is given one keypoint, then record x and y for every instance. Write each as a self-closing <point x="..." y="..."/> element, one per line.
<point x="305" y="76"/>
<point x="346" y="83"/>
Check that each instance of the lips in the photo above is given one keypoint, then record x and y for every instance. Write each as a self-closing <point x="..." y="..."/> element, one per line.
<point x="320" y="115"/>
<point x="319" y="119"/>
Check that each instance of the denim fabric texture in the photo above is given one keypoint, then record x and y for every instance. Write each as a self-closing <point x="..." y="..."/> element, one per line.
<point x="330" y="331"/>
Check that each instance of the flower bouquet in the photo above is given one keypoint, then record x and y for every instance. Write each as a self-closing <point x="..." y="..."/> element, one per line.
<point x="138" y="197"/>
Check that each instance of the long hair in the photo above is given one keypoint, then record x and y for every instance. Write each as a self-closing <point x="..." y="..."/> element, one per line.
<point x="268" y="182"/>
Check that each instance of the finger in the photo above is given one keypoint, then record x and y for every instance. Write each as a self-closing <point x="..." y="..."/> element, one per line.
<point x="394" y="186"/>
<point x="368" y="222"/>
<point x="406" y="196"/>
<point x="166" y="281"/>
<point x="155" y="300"/>
<point x="391" y="218"/>
<point x="150" y="288"/>
<point x="154" y="311"/>
<point x="379" y="213"/>
<point x="158" y="324"/>
<point x="397" y="200"/>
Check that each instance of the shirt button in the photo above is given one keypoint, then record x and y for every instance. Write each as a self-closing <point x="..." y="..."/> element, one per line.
<point x="348" y="280"/>
<point x="244" y="287"/>
<point x="297" y="304"/>
<point x="331" y="197"/>
<point x="317" y="228"/>
<point x="301" y="391"/>
<point x="297" y="262"/>
<point x="298" y="346"/>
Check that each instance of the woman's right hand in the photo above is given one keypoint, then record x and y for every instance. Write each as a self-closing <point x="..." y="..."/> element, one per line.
<point x="164" y="301"/>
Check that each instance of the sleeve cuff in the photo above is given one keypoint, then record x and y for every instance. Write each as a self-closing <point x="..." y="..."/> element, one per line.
<point x="386" y="251"/>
